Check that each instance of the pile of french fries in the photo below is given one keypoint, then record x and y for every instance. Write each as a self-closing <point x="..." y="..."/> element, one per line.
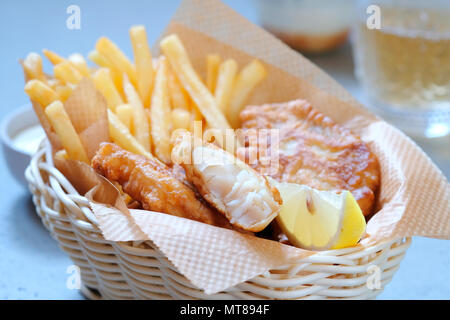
<point x="148" y="98"/>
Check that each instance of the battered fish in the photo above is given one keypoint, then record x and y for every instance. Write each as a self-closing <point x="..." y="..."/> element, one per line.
<point x="315" y="151"/>
<point x="246" y="198"/>
<point x="153" y="184"/>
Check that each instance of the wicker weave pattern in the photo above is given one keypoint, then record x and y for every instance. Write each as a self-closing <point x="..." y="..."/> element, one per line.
<point x="137" y="270"/>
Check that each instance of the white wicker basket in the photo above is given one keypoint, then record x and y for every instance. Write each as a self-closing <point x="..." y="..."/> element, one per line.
<point x="119" y="270"/>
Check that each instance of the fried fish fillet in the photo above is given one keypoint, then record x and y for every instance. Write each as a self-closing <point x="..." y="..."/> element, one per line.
<point x="315" y="151"/>
<point x="153" y="184"/>
<point x="246" y="198"/>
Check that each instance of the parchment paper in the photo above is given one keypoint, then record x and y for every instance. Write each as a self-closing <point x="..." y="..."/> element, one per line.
<point x="413" y="198"/>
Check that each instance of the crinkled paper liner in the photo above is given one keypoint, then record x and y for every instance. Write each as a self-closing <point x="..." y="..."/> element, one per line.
<point x="413" y="199"/>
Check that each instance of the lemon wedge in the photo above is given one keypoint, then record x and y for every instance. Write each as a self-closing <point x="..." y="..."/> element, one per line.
<point x="319" y="220"/>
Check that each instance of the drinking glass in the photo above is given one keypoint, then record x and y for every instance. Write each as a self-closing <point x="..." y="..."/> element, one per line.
<point x="310" y="26"/>
<point x="403" y="62"/>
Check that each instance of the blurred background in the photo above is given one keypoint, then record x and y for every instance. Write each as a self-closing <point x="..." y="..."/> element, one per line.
<point x="393" y="56"/>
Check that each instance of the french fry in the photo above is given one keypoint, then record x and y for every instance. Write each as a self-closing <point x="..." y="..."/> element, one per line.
<point x="67" y="73"/>
<point x="32" y="66"/>
<point x="196" y="127"/>
<point x="104" y="84"/>
<point x="61" y="155"/>
<point x="60" y="88"/>
<point x="40" y="92"/>
<point x="143" y="62"/>
<point x="196" y="117"/>
<point x="78" y="61"/>
<point x="178" y="96"/>
<point x="117" y="58"/>
<point x="212" y="70"/>
<point x="53" y="83"/>
<point x="63" y="92"/>
<point x="53" y="57"/>
<point x="179" y="60"/>
<point x="70" y="140"/>
<point x="140" y="119"/>
<point x="125" y="114"/>
<point x="249" y="77"/>
<point x="101" y="61"/>
<point x="160" y="114"/>
<point x="120" y="135"/>
<point x="181" y="119"/>
<point x="98" y="59"/>
<point x="225" y="83"/>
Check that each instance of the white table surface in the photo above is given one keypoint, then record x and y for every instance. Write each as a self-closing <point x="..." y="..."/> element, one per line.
<point x="31" y="264"/>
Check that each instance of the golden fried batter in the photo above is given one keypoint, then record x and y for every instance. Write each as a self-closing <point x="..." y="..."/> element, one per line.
<point x="315" y="151"/>
<point x="153" y="184"/>
<point x="248" y="200"/>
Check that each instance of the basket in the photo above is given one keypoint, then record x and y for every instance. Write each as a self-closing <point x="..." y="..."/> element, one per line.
<point x="138" y="270"/>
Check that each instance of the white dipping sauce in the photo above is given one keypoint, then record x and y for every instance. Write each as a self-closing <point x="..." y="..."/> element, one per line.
<point x="28" y="139"/>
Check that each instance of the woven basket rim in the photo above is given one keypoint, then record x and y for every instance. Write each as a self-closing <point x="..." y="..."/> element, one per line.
<point x="91" y="223"/>
<point x="330" y="274"/>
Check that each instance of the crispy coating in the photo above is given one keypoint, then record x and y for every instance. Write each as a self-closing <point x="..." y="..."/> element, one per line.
<point x="315" y="151"/>
<point x="236" y="190"/>
<point x="153" y="184"/>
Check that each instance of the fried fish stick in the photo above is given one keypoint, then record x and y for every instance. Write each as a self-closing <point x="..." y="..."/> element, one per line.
<point x="246" y="198"/>
<point x="152" y="184"/>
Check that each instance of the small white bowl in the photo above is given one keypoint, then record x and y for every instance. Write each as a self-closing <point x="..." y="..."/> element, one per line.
<point x="15" y="122"/>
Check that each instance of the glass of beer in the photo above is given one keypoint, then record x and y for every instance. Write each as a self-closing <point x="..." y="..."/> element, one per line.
<point x="402" y="59"/>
